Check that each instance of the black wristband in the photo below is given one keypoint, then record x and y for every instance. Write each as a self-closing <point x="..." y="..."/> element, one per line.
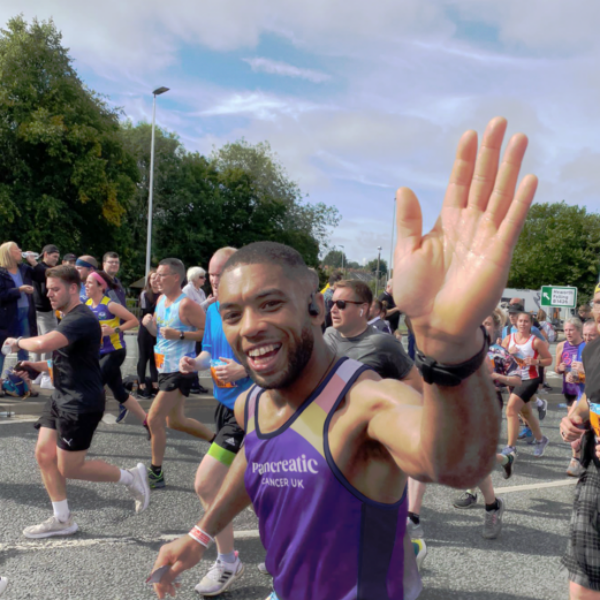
<point x="437" y="373"/>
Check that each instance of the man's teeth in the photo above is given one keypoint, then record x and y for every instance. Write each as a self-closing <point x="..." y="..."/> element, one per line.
<point x="262" y="350"/>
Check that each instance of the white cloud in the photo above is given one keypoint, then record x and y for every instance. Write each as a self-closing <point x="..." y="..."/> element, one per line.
<point x="275" y="67"/>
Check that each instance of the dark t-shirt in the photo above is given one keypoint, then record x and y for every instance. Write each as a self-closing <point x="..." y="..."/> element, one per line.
<point x="591" y="365"/>
<point x="382" y="352"/>
<point x="394" y="319"/>
<point x="76" y="368"/>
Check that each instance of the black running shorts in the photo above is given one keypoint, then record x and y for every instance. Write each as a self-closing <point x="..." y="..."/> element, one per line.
<point x="74" y="430"/>
<point x="169" y="382"/>
<point x="527" y="390"/>
<point x="230" y="436"/>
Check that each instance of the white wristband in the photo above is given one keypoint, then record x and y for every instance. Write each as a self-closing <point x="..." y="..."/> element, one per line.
<point x="201" y="536"/>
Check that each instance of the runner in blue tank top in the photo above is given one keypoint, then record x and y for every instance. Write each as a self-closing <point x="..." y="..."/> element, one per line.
<point x="329" y="445"/>
<point x="177" y="324"/>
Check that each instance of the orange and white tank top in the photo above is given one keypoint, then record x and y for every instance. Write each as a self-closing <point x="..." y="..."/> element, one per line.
<point x="524" y="351"/>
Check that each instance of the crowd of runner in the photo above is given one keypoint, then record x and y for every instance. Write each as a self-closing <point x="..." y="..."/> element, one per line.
<point x="321" y="413"/>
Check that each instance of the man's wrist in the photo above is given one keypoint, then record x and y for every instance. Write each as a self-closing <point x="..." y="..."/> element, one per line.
<point x="449" y="352"/>
<point x="17" y="342"/>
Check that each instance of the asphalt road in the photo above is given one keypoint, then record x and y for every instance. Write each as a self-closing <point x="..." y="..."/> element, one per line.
<point x="113" y="552"/>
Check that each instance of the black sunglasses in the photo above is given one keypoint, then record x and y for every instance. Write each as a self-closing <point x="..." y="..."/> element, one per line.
<point x="341" y="304"/>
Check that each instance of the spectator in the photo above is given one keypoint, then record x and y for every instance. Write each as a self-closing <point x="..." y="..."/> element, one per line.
<point x="584" y="312"/>
<point x="85" y="265"/>
<point x="69" y="259"/>
<point x="391" y="310"/>
<point x="196" y="277"/>
<point x="377" y="317"/>
<point x="111" y="265"/>
<point x="17" y="310"/>
<point x="146" y="340"/>
<point x="45" y="317"/>
<point x="327" y="292"/>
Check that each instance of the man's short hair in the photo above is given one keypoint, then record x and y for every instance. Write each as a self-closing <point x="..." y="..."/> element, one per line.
<point x="273" y="253"/>
<point x="589" y="323"/>
<point x="360" y="288"/>
<point x="108" y="255"/>
<point x="66" y="273"/>
<point x="175" y="265"/>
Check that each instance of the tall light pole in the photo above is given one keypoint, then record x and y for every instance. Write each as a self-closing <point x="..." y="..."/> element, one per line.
<point x="156" y="92"/>
<point x="378" y="262"/>
<point x="342" y="247"/>
<point x="390" y="264"/>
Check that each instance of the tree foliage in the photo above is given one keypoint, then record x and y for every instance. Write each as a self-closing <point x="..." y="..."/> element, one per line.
<point x="334" y="259"/>
<point x="371" y="267"/>
<point x="559" y="245"/>
<point x="64" y="176"/>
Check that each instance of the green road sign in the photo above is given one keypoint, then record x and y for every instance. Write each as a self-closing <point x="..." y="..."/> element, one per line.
<point x="560" y="297"/>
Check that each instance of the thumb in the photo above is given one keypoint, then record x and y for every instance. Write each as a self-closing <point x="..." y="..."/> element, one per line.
<point x="226" y="360"/>
<point x="409" y="222"/>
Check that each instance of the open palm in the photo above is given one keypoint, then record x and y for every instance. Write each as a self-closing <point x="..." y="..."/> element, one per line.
<point x="449" y="280"/>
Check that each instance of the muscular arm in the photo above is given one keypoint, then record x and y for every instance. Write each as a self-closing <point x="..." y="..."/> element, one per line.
<point x="545" y="359"/>
<point x="129" y="319"/>
<point x="44" y="343"/>
<point x="193" y="314"/>
<point x="435" y="441"/>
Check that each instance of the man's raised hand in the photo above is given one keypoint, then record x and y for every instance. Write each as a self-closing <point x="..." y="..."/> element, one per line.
<point x="449" y="280"/>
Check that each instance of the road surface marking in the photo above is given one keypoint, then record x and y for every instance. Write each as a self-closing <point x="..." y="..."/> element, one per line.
<point x="537" y="486"/>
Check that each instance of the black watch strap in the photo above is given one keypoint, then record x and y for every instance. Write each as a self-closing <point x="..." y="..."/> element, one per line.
<point x="437" y="373"/>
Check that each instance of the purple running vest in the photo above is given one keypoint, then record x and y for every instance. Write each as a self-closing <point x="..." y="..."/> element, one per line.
<point x="569" y="354"/>
<point x="324" y="539"/>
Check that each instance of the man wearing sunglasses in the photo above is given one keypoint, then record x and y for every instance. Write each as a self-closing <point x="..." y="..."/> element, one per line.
<point x="352" y="336"/>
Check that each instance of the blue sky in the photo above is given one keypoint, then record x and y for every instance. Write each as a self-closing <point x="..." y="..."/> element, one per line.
<point x="355" y="98"/>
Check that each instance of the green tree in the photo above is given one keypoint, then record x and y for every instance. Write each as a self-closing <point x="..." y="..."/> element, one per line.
<point x="64" y="175"/>
<point x="334" y="259"/>
<point x="371" y="267"/>
<point x="559" y="245"/>
<point x="304" y="221"/>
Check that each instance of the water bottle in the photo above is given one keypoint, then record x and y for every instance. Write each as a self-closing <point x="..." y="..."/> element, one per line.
<point x="7" y="414"/>
<point x="27" y="255"/>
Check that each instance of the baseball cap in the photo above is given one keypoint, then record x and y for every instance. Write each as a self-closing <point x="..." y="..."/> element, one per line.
<point x="69" y="256"/>
<point x="515" y="308"/>
<point x="49" y="249"/>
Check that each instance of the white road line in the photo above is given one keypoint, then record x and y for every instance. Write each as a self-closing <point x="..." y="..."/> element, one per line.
<point x="537" y="486"/>
<point x="54" y="543"/>
<point x="14" y="420"/>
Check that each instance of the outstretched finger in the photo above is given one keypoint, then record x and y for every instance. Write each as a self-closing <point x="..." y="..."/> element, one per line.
<point x="486" y="167"/>
<point x="457" y="192"/>
<point x="513" y="222"/>
<point x="409" y="222"/>
<point x="506" y="181"/>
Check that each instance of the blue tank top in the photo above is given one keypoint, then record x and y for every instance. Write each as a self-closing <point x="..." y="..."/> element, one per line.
<point x="325" y="540"/>
<point x="168" y="353"/>
<point x="113" y="342"/>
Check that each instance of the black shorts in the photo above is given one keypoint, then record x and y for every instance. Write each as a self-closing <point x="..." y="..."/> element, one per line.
<point x="169" y="382"/>
<point x="570" y="398"/>
<point x="74" y="430"/>
<point x="110" y="365"/>
<point x="582" y="558"/>
<point x="527" y="390"/>
<point x="230" y="436"/>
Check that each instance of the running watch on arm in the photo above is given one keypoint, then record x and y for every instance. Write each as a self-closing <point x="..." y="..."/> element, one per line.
<point x="437" y="373"/>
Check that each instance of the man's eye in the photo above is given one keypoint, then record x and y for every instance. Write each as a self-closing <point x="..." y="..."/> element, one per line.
<point x="272" y="304"/>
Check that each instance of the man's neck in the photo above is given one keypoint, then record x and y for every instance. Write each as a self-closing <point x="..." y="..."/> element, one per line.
<point x="355" y="331"/>
<point x="172" y="296"/>
<point x="72" y="304"/>
<point x="320" y="363"/>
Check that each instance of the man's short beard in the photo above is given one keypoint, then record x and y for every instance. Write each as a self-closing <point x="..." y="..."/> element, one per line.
<point x="298" y="361"/>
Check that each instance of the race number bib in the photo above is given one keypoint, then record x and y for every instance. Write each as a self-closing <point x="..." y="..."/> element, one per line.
<point x="159" y="360"/>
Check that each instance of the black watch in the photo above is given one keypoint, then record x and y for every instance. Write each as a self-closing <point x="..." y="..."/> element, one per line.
<point x="437" y="373"/>
<point x="182" y="335"/>
<point x="117" y="329"/>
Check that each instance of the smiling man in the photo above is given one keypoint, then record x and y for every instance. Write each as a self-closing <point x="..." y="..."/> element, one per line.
<point x="329" y="444"/>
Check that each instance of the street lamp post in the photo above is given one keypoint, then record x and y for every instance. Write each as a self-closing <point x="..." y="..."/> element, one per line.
<point x="390" y="264"/>
<point x="342" y="247"/>
<point x="378" y="262"/>
<point x="156" y="92"/>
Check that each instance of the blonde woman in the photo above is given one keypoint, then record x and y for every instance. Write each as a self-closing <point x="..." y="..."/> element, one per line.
<point x="17" y="309"/>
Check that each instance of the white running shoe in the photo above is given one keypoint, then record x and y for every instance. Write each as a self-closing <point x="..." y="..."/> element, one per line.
<point x="51" y="527"/>
<point x="139" y="489"/>
<point x="3" y="584"/>
<point x="415" y="531"/>
<point x="220" y="576"/>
